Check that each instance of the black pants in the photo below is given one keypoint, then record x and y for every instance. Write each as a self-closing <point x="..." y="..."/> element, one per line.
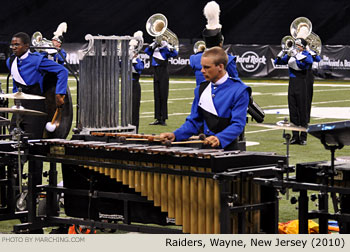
<point x="136" y="99"/>
<point x="298" y="104"/>
<point x="161" y="92"/>
<point x="32" y="125"/>
<point x="310" y="90"/>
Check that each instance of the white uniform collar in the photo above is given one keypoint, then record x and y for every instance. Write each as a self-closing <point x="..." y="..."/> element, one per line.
<point x="24" y="55"/>
<point x="222" y="79"/>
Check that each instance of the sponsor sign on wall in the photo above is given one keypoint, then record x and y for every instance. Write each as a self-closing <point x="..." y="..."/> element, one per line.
<point x="253" y="61"/>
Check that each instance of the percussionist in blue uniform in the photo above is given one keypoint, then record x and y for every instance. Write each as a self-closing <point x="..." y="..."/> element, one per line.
<point x="219" y="106"/>
<point x="299" y="62"/>
<point x="27" y="70"/>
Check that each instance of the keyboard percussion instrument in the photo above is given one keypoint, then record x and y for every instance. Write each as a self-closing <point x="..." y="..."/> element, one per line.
<point x="203" y="190"/>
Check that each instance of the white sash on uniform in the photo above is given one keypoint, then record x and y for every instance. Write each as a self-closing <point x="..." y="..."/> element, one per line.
<point x="15" y="74"/>
<point x="206" y="101"/>
<point x="292" y="62"/>
<point x="157" y="54"/>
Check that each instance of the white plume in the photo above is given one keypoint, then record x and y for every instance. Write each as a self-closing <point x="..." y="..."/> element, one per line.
<point x="62" y="28"/>
<point x="137" y="34"/>
<point x="212" y="12"/>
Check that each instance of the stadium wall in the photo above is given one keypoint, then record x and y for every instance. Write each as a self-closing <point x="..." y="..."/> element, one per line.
<point x="253" y="61"/>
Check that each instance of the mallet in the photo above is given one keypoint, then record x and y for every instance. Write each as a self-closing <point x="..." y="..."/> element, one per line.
<point x="51" y="126"/>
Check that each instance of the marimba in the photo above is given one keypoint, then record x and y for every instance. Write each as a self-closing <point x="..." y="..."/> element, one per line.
<point x="202" y="190"/>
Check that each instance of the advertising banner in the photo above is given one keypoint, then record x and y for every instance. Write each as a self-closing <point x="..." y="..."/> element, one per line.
<point x="253" y="61"/>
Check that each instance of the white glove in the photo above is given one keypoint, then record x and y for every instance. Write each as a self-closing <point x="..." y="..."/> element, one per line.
<point x="153" y="45"/>
<point x="313" y="53"/>
<point x="171" y="48"/>
<point x="281" y="54"/>
<point x="163" y="43"/>
<point x="293" y="52"/>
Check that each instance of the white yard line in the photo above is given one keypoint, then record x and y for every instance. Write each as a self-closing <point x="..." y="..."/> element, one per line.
<point x="173" y="99"/>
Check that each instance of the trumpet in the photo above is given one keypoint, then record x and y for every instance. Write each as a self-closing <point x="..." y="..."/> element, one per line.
<point x="38" y="41"/>
<point x="199" y="46"/>
<point x="157" y="26"/>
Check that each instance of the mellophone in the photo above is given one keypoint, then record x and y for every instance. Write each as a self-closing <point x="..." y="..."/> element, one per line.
<point x="193" y="186"/>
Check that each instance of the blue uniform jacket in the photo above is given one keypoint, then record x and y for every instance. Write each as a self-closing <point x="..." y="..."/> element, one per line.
<point x="231" y="101"/>
<point x="137" y="67"/>
<point x="33" y="68"/>
<point x="195" y="63"/>
<point x="315" y="56"/>
<point x="303" y="64"/>
<point x="164" y="51"/>
<point x="231" y="67"/>
<point x="58" y="58"/>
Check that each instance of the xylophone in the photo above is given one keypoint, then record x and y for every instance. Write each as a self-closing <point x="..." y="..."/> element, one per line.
<point x="193" y="186"/>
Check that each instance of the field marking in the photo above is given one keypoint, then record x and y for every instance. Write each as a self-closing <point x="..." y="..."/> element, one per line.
<point x="318" y="112"/>
<point x="313" y="103"/>
<point x="171" y="89"/>
<point x="258" y="131"/>
<point x="254" y="83"/>
<point x="251" y="83"/>
<point x="172" y="99"/>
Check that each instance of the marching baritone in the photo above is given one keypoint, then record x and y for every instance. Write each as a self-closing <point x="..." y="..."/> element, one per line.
<point x="299" y="62"/>
<point x="219" y="106"/>
<point x="57" y="42"/>
<point x="137" y="68"/>
<point x="160" y="53"/>
<point x="60" y="54"/>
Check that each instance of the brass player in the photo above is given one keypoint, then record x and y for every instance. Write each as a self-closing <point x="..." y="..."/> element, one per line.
<point x="160" y="53"/>
<point x="299" y="61"/>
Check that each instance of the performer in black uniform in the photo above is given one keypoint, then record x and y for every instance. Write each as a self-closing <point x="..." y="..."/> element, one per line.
<point x="137" y="68"/>
<point x="160" y="53"/>
<point x="299" y="61"/>
<point x="310" y="81"/>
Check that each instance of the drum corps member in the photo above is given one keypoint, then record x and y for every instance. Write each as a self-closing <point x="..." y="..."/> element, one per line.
<point x="219" y="106"/>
